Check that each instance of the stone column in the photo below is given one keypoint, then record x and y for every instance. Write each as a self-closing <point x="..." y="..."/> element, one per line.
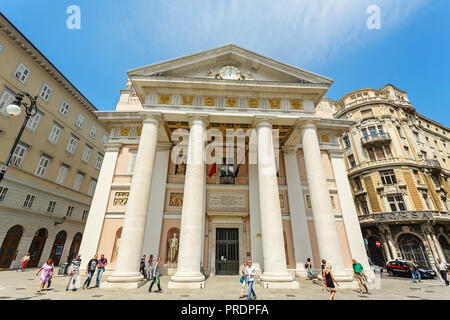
<point x="126" y="273"/>
<point x="349" y="215"/>
<point x="188" y="273"/>
<point x="438" y="247"/>
<point x="275" y="273"/>
<point x="324" y="219"/>
<point x="391" y="244"/>
<point x="94" y="223"/>
<point x="300" y="233"/>
<point x="386" y="247"/>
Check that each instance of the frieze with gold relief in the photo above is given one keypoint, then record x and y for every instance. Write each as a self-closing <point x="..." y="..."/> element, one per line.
<point x="176" y="199"/>
<point x="275" y="103"/>
<point x="164" y="99"/>
<point x="253" y="103"/>
<point x="296" y="104"/>
<point x="231" y="102"/>
<point x="187" y="100"/>
<point x="325" y="138"/>
<point x="121" y="198"/>
<point x="124" y="132"/>
<point x="138" y="131"/>
<point x="209" y="101"/>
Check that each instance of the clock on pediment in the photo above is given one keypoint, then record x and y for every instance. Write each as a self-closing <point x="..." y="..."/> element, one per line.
<point x="230" y="73"/>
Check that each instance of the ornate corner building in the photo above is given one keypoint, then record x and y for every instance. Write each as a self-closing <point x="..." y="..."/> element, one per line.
<point x="398" y="166"/>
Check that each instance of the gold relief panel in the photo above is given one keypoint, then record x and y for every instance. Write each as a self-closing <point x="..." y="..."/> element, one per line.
<point x="253" y="103"/>
<point x="209" y="101"/>
<point x="231" y="102"/>
<point x="164" y="99"/>
<point x="325" y="138"/>
<point x="176" y="199"/>
<point x="333" y="203"/>
<point x="275" y="103"/>
<point x="124" y="132"/>
<point x="121" y="198"/>
<point x="308" y="201"/>
<point x="187" y="100"/>
<point x="296" y="104"/>
<point x="281" y="201"/>
<point x="180" y="169"/>
<point x="138" y="131"/>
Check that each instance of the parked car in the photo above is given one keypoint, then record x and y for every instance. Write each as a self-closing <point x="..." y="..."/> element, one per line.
<point x="401" y="268"/>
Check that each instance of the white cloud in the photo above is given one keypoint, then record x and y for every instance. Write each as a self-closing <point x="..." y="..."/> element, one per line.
<point x="300" y="32"/>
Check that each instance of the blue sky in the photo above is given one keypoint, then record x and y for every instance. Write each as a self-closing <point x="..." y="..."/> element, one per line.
<point x="329" y="37"/>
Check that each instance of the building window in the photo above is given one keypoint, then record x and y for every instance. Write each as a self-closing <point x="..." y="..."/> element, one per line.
<point x="86" y="154"/>
<point x="29" y="201"/>
<point x="22" y="73"/>
<point x="346" y="141"/>
<point x="46" y="92"/>
<point x="80" y="121"/>
<point x="62" y="174"/>
<point x="18" y="155"/>
<point x="69" y="211"/>
<point x="351" y="160"/>
<point x="99" y="161"/>
<point x="104" y="139"/>
<point x="33" y="122"/>
<point x="388" y="177"/>
<point x="400" y="133"/>
<point x="51" y="207"/>
<point x="364" y="207"/>
<point x="92" y="186"/>
<point x="436" y="181"/>
<point x="396" y="203"/>
<point x="5" y="100"/>
<point x="55" y="132"/>
<point x="84" y="215"/>
<point x="42" y="166"/>
<point x="3" y="192"/>
<point x="78" y="181"/>
<point x="444" y="203"/>
<point x="407" y="151"/>
<point x="72" y="145"/>
<point x="358" y="184"/>
<point x="64" y="108"/>
<point x="427" y="201"/>
<point x="93" y="132"/>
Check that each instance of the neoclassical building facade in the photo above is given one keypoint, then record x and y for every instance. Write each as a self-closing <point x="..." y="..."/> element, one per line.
<point x="397" y="163"/>
<point x="262" y="175"/>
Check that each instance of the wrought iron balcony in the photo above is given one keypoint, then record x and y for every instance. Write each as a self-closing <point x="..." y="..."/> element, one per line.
<point x="432" y="164"/>
<point x="375" y="138"/>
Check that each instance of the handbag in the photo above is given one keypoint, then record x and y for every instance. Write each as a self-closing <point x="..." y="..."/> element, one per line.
<point x="241" y="279"/>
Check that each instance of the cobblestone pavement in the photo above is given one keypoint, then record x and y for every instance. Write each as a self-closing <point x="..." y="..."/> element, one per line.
<point x="23" y="286"/>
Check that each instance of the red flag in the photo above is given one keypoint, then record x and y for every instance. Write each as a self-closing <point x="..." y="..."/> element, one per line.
<point x="213" y="170"/>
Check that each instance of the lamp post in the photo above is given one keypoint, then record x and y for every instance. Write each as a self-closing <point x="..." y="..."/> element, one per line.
<point x="15" y="109"/>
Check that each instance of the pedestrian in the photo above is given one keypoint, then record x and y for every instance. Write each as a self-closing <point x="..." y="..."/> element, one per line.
<point x="243" y="279"/>
<point x="358" y="269"/>
<point x="308" y="267"/>
<point x="142" y="266"/>
<point x="323" y="265"/>
<point x="250" y="273"/>
<point x="150" y="267"/>
<point x="90" y="271"/>
<point x="443" y="270"/>
<point x="24" y="262"/>
<point x="74" y="280"/>
<point x="101" y="263"/>
<point x="414" y="270"/>
<point x="155" y="278"/>
<point x="46" y="274"/>
<point x="330" y="281"/>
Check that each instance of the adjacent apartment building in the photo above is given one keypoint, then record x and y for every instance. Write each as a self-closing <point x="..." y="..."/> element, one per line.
<point x="47" y="190"/>
<point x="398" y="166"/>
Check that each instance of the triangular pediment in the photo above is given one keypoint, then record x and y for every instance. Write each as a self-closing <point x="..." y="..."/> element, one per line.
<point x="252" y="66"/>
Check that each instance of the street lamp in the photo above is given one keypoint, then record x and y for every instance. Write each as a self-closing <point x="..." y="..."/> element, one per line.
<point x="15" y="109"/>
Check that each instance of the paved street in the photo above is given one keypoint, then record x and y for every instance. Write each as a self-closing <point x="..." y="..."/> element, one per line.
<point x="23" y="286"/>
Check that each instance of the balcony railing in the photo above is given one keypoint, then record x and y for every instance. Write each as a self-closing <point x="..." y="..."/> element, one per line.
<point x="432" y="164"/>
<point x="404" y="216"/>
<point x="375" y="138"/>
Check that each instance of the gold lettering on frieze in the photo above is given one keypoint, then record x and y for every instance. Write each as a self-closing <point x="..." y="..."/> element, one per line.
<point x="124" y="132"/>
<point x="121" y="198"/>
<point x="231" y="102"/>
<point x="296" y="104"/>
<point x="187" y="100"/>
<point x="210" y="101"/>
<point x="176" y="199"/>
<point x="164" y="99"/>
<point x="275" y="103"/>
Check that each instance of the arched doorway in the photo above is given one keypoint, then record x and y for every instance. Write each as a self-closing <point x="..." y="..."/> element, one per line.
<point x="9" y="246"/>
<point x="445" y="247"/>
<point x="58" y="247"/>
<point x="37" y="246"/>
<point x="412" y="247"/>
<point x="75" y="246"/>
<point x="376" y="255"/>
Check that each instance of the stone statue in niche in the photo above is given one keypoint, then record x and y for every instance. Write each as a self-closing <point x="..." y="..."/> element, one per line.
<point x="173" y="249"/>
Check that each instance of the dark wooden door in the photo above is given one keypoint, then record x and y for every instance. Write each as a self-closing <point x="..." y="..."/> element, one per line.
<point x="9" y="246"/>
<point x="36" y="247"/>
<point x="227" y="251"/>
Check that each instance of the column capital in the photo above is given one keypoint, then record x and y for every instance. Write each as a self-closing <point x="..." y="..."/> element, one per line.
<point x="336" y="153"/>
<point x="153" y="117"/>
<point x="308" y="124"/>
<point x="262" y="121"/>
<point x="161" y="146"/>
<point x="289" y="148"/>
<point x="113" y="146"/>
<point x="198" y="116"/>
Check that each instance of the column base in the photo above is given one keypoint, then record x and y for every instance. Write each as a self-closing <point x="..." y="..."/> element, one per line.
<point x="124" y="281"/>
<point x="280" y="284"/>
<point x="300" y="270"/>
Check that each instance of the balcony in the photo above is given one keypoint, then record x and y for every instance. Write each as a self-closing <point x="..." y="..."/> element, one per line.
<point x="432" y="164"/>
<point x="404" y="216"/>
<point x="375" y="138"/>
